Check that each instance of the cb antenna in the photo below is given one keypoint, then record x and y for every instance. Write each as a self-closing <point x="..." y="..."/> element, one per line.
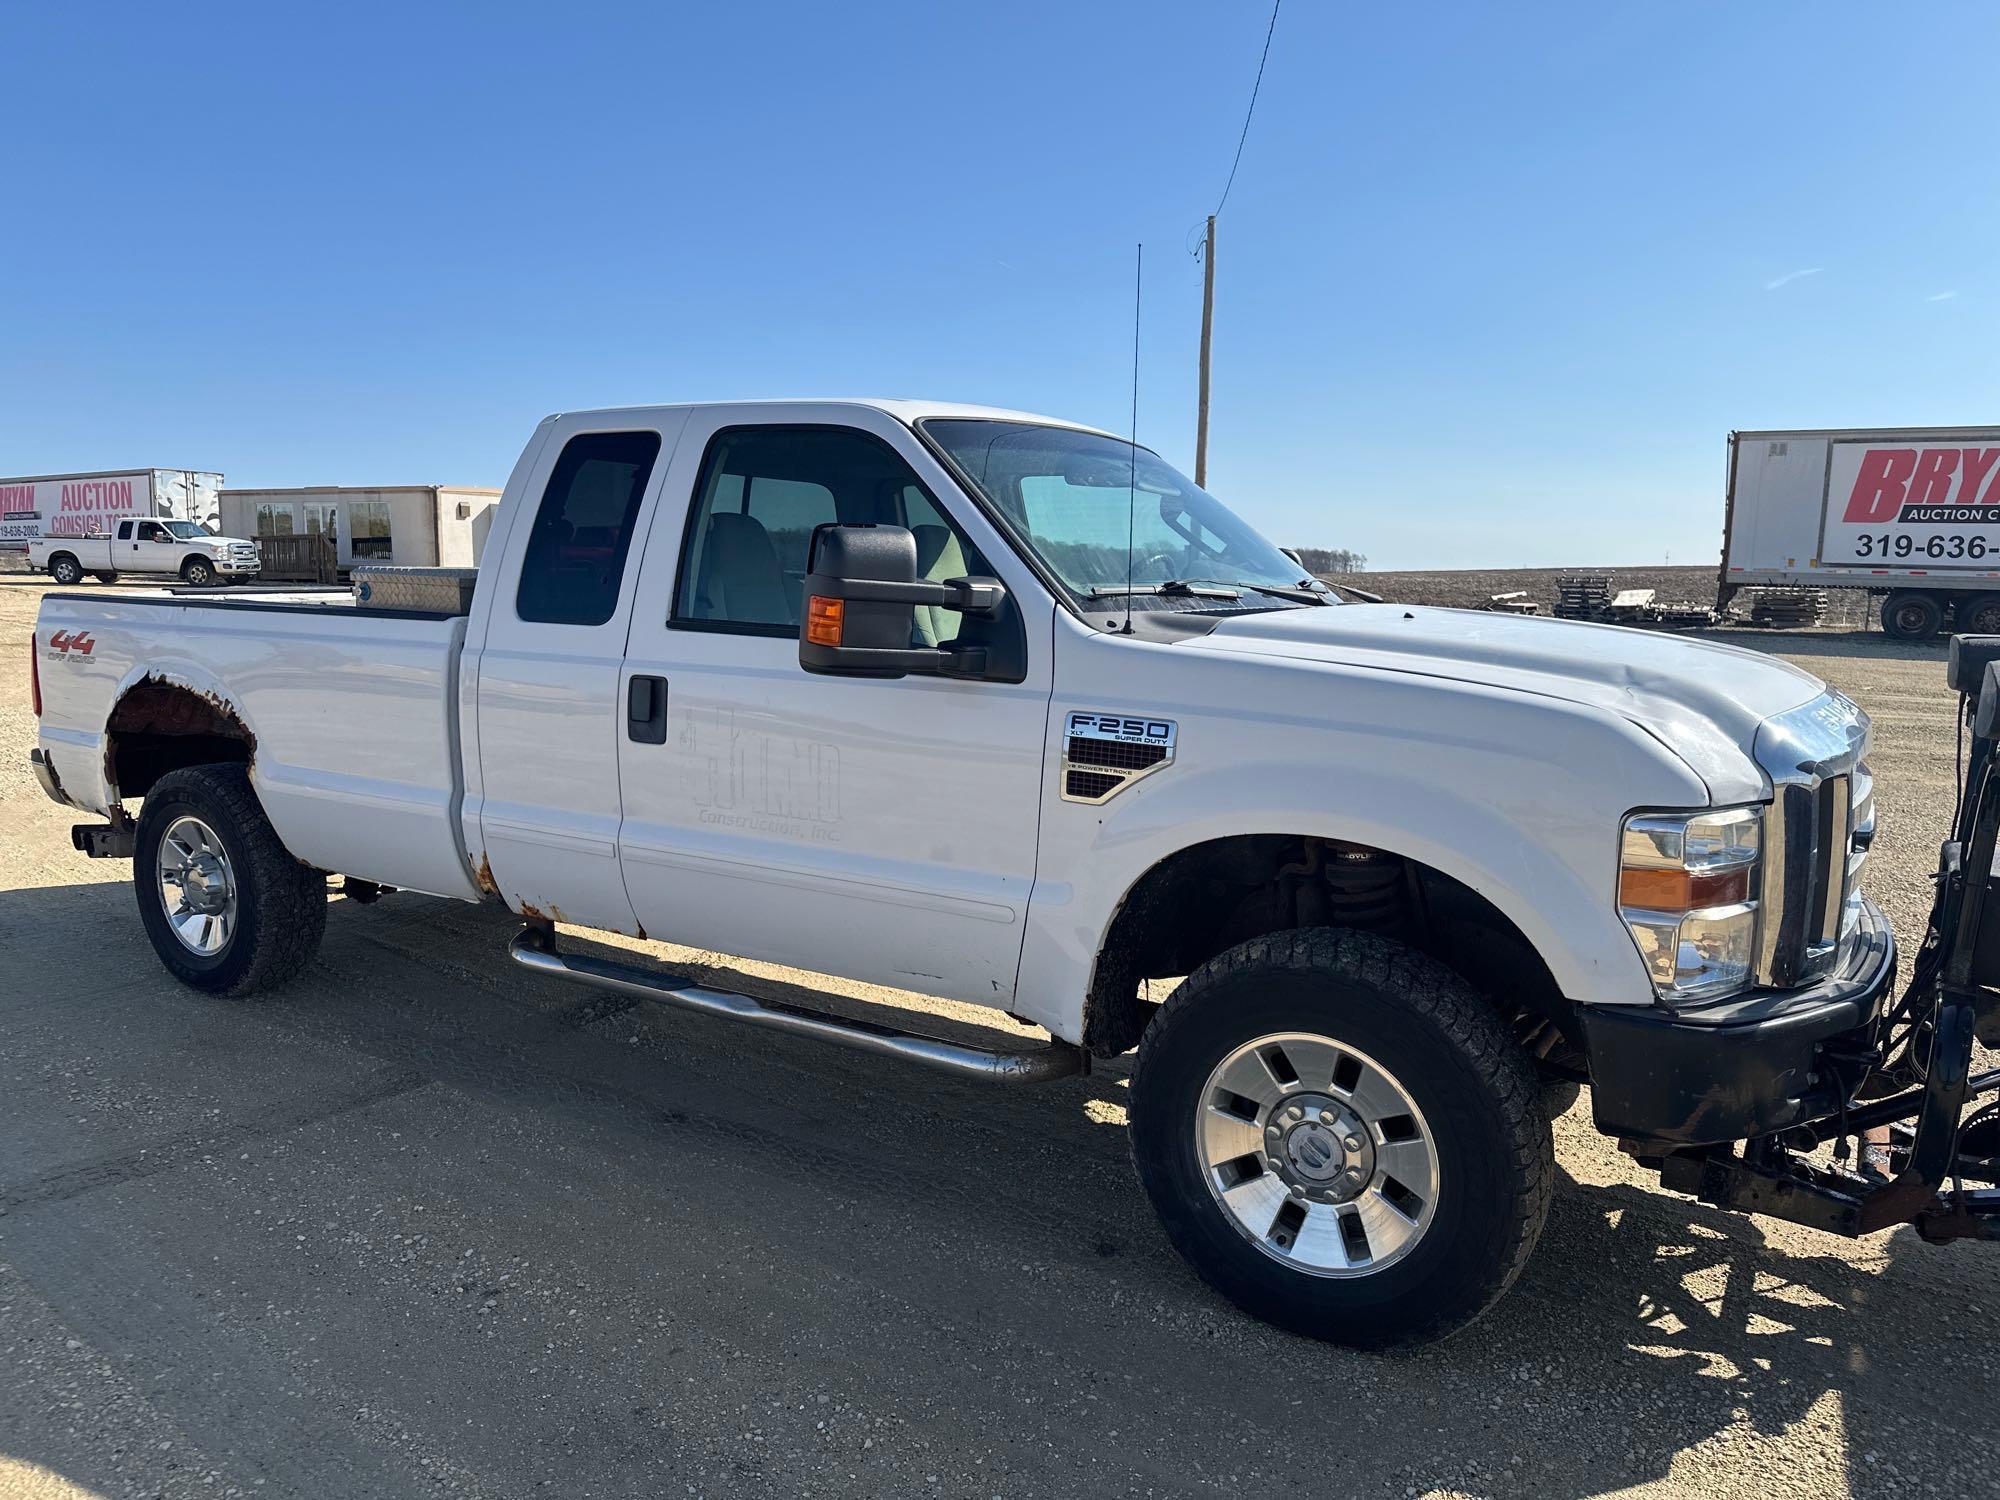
<point x="1132" y="479"/>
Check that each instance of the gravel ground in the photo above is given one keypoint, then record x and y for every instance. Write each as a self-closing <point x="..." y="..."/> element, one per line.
<point x="425" y="1225"/>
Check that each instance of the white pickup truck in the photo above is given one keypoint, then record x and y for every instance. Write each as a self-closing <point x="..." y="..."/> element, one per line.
<point x="138" y="544"/>
<point x="1002" y="709"/>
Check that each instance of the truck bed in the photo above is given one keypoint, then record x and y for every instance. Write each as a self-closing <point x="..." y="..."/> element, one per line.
<point x="322" y="687"/>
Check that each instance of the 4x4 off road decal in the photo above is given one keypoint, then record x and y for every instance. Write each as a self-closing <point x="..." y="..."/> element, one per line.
<point x="1105" y="753"/>
<point x="63" y="643"/>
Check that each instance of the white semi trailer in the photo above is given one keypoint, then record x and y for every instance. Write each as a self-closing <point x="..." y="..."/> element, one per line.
<point x="1910" y="513"/>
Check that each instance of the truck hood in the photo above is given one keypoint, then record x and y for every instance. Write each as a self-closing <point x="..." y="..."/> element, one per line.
<point x="1703" y="701"/>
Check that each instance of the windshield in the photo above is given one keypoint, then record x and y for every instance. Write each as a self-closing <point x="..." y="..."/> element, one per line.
<point x="185" y="530"/>
<point x="1074" y="498"/>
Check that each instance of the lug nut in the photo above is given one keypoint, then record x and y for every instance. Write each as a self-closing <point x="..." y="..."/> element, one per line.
<point x="1352" y="1143"/>
<point x="1326" y="1117"/>
<point x="1355" y="1173"/>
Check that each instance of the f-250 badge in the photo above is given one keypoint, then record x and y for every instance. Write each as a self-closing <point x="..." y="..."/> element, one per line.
<point x="1105" y="753"/>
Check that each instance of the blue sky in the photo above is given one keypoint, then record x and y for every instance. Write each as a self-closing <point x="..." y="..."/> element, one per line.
<point x="1494" y="281"/>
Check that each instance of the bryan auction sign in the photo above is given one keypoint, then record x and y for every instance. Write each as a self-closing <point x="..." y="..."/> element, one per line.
<point x="76" y="506"/>
<point x="1930" y="507"/>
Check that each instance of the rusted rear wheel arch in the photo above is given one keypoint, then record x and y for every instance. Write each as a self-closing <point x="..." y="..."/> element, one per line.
<point x="160" y="726"/>
<point x="1209" y="897"/>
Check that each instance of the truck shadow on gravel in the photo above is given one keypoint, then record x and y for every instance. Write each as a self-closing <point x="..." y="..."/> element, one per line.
<point x="1648" y="1334"/>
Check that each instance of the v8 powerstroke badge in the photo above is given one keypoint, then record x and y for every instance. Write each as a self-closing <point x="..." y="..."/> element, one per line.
<point x="1103" y="753"/>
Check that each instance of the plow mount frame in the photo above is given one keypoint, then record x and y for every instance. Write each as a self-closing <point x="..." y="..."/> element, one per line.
<point x="1921" y="1082"/>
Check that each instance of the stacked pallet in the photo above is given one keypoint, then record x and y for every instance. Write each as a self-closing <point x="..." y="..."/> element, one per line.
<point x="1682" y="614"/>
<point x="1583" y="596"/>
<point x="1788" y="608"/>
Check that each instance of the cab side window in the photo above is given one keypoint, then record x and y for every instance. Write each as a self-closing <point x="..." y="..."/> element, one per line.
<point x="761" y="493"/>
<point x="575" y="558"/>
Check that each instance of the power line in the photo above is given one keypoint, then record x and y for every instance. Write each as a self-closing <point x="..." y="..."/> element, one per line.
<point x="1252" y="110"/>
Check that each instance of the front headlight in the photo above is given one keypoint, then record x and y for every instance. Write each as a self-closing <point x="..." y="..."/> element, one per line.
<point x="1687" y="889"/>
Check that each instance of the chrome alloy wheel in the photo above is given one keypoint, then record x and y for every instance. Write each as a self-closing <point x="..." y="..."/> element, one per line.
<point x="197" y="886"/>
<point x="1317" y="1154"/>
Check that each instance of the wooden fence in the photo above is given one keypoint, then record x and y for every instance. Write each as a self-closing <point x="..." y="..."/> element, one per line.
<point x="307" y="558"/>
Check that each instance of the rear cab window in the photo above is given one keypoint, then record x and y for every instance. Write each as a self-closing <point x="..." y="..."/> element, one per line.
<point x="575" y="558"/>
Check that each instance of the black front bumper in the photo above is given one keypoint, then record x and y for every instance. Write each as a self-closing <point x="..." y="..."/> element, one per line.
<point x="1743" y="1068"/>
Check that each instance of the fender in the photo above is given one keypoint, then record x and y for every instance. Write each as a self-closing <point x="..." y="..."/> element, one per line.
<point x="1517" y="796"/>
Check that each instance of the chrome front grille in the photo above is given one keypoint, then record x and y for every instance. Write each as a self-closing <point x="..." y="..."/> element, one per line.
<point x="1816" y="834"/>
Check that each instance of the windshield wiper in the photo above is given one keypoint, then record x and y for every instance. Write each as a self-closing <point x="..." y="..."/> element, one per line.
<point x="1173" y="588"/>
<point x="1301" y="593"/>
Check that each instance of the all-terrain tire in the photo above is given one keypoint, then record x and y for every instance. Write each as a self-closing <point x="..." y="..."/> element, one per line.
<point x="280" y="903"/>
<point x="1477" y="1092"/>
<point x="65" y="570"/>
<point x="198" y="572"/>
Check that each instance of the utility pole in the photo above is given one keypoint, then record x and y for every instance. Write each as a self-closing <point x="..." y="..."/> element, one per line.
<point x="1207" y="322"/>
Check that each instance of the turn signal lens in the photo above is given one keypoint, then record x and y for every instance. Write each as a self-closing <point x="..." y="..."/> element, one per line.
<point x="1683" y="890"/>
<point x="825" y="619"/>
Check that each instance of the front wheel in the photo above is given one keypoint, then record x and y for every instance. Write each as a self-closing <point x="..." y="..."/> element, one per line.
<point x="227" y="908"/>
<point x="1342" y="1138"/>
<point x="105" y="577"/>
<point x="198" y="571"/>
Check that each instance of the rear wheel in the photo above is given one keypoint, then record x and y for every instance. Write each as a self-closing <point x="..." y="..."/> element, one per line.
<point x="1911" y="617"/>
<point x="1979" y="615"/>
<point x="198" y="571"/>
<point x="65" y="569"/>
<point x="1342" y="1138"/>
<point x="227" y="908"/>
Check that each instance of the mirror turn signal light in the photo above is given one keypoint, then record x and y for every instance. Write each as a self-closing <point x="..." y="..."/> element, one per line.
<point x="825" y="619"/>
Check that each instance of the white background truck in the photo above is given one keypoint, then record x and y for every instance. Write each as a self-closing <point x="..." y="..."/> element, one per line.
<point x="1004" y="710"/>
<point x="180" y="549"/>
<point x="1910" y="512"/>
<point x="87" y="504"/>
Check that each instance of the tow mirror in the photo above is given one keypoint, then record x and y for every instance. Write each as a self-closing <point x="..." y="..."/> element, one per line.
<point x="861" y="595"/>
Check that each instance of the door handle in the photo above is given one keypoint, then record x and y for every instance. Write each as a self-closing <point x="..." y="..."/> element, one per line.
<point x="646" y="710"/>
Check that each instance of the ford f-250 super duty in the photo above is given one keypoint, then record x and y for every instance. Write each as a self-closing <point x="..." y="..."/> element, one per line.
<point x="139" y="544"/>
<point x="1005" y="710"/>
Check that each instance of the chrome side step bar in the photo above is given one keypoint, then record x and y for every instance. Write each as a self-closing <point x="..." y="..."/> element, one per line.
<point x="535" y="948"/>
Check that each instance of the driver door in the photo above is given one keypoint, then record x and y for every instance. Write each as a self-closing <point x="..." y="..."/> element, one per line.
<point x="152" y="549"/>
<point x="879" y="828"/>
